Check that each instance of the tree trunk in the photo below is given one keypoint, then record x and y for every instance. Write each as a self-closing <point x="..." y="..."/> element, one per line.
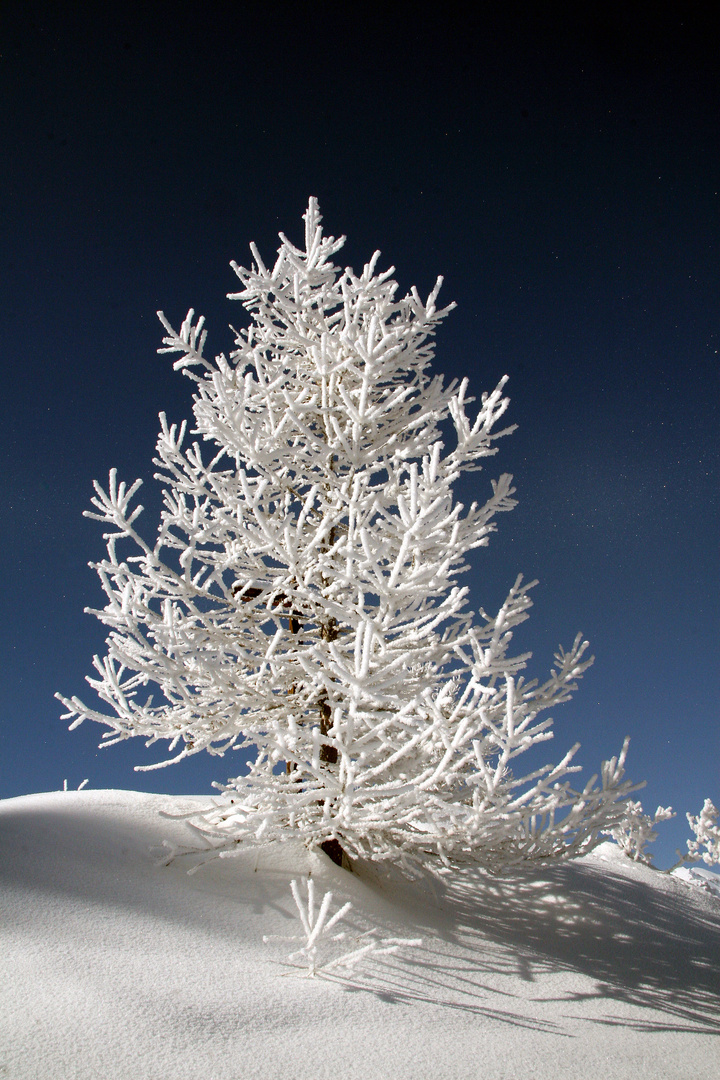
<point x="335" y="851"/>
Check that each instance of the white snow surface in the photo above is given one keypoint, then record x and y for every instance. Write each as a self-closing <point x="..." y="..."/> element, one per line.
<point x="113" y="966"/>
<point x="700" y="877"/>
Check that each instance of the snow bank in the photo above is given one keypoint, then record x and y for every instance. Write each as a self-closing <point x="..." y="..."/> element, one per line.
<point x="699" y="877"/>
<point x="113" y="966"/>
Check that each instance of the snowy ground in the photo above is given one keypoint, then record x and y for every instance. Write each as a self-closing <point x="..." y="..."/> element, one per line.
<point x="117" y="968"/>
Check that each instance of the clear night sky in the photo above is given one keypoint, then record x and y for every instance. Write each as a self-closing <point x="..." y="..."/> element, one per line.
<point x="561" y="173"/>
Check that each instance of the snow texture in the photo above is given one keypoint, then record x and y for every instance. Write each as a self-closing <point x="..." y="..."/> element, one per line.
<point x="116" y="966"/>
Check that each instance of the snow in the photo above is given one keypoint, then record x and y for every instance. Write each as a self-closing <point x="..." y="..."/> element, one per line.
<point x="115" y="966"/>
<point x="699" y="876"/>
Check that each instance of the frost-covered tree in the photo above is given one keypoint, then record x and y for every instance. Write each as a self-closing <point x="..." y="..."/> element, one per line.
<point x="637" y="830"/>
<point x="706" y="827"/>
<point x="302" y="596"/>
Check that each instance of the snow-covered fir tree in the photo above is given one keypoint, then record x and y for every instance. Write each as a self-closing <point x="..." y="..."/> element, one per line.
<point x="706" y="827"/>
<point x="303" y="595"/>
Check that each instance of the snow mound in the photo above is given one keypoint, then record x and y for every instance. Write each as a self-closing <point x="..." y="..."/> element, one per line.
<point x="699" y="877"/>
<point x="115" y="966"/>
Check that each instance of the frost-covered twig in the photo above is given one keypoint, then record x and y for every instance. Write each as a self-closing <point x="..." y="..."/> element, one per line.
<point x="707" y="835"/>
<point x="317" y="926"/>
<point x="637" y="830"/>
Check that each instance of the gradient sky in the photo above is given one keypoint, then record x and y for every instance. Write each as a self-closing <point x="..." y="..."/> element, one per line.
<point x="562" y="173"/>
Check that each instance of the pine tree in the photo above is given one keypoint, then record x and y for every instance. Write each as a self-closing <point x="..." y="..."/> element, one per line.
<point x="302" y="597"/>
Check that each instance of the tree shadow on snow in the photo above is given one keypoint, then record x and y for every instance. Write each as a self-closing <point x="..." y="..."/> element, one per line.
<point x="650" y="949"/>
<point x="642" y="946"/>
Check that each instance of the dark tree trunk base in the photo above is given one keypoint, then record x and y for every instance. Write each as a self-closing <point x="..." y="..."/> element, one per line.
<point x="333" y="849"/>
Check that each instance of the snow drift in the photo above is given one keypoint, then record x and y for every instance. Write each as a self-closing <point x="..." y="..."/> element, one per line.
<point x="115" y="966"/>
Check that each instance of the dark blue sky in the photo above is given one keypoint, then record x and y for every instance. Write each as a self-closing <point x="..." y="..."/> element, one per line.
<point x="561" y="172"/>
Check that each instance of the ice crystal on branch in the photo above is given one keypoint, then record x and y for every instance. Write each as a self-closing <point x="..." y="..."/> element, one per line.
<point x="303" y="595"/>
